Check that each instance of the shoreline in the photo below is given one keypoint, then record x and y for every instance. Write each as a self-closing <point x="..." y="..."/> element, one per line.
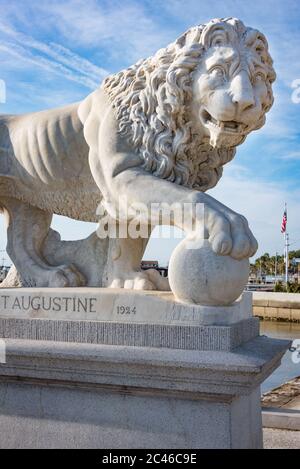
<point x="281" y="406"/>
<point x="272" y="306"/>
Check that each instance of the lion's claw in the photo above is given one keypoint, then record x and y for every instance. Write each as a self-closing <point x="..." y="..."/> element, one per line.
<point x="62" y="276"/>
<point x="229" y="234"/>
<point x="143" y="280"/>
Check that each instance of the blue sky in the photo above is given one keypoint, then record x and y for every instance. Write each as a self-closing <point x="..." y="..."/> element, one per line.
<point x="56" y="52"/>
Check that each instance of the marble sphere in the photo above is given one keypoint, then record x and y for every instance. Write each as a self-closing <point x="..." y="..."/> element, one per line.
<point x="198" y="275"/>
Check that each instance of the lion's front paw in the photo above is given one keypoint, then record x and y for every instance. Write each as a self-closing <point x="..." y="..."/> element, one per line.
<point x="62" y="276"/>
<point x="146" y="280"/>
<point x="229" y="234"/>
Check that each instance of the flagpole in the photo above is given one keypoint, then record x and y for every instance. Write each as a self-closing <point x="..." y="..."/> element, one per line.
<point x="286" y="246"/>
<point x="286" y="243"/>
<point x="286" y="236"/>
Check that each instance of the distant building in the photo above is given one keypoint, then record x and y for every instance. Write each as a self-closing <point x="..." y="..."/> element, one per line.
<point x="149" y="265"/>
<point x="296" y="264"/>
<point x="3" y="273"/>
<point x="252" y="278"/>
<point x="145" y="265"/>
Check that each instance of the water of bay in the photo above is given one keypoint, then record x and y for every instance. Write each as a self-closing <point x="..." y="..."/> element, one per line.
<point x="288" y="370"/>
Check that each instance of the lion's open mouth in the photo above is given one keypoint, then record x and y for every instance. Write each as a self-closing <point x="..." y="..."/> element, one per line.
<point x="223" y="126"/>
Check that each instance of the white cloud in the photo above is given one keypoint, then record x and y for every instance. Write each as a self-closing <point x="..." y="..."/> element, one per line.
<point x="55" y="51"/>
<point x="124" y="29"/>
<point x="48" y="95"/>
<point x="53" y="57"/>
<point x="51" y="66"/>
<point x="79" y="64"/>
<point x="292" y="155"/>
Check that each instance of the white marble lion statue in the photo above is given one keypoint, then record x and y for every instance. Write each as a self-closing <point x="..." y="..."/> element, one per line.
<point x="157" y="132"/>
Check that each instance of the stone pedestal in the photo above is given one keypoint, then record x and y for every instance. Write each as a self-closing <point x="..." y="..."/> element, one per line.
<point x="123" y="369"/>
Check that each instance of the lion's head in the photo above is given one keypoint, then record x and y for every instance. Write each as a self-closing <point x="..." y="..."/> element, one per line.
<point x="186" y="108"/>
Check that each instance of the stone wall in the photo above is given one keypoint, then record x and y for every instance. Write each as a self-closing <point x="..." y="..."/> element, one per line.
<point x="277" y="306"/>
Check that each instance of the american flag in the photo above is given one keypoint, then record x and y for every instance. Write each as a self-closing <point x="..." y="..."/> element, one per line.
<point x="284" y="221"/>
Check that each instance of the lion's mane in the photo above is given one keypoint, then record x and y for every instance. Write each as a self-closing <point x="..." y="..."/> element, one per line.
<point x="152" y="101"/>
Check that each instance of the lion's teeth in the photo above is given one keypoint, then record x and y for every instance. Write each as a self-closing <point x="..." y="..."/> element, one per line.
<point x="227" y="126"/>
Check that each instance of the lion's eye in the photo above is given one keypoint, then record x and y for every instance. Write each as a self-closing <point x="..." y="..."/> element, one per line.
<point x="259" y="77"/>
<point x="218" y="72"/>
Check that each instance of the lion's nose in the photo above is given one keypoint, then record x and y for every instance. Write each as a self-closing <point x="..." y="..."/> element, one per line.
<point x="242" y="91"/>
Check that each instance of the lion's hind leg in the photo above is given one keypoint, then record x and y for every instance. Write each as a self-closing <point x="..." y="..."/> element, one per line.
<point x="27" y="229"/>
<point x="124" y="266"/>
